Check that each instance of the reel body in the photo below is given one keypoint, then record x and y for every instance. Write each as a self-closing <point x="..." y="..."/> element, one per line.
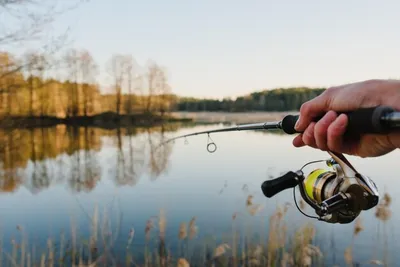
<point x="338" y="194"/>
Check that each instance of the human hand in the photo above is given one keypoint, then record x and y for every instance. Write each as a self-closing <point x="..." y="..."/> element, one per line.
<point x="327" y="133"/>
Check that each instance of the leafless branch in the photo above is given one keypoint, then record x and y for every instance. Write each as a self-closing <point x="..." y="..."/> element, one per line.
<point x="26" y="20"/>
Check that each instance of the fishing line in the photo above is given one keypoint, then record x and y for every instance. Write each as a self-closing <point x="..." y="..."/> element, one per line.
<point x="297" y="206"/>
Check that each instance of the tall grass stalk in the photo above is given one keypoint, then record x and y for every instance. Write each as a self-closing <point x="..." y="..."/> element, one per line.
<point x="276" y="248"/>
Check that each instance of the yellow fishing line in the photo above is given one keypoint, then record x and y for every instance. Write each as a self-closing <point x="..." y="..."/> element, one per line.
<point x="310" y="181"/>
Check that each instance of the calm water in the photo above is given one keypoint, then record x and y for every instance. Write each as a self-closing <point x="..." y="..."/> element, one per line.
<point x="53" y="176"/>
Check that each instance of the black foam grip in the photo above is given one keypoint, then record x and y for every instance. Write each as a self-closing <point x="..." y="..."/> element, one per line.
<point x="361" y="121"/>
<point x="274" y="186"/>
<point x="288" y="123"/>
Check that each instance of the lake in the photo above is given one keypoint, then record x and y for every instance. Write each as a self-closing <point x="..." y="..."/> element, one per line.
<point x="60" y="185"/>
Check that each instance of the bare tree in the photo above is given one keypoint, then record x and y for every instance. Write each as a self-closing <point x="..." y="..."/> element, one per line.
<point x="88" y="69"/>
<point x="30" y="71"/>
<point x="35" y="67"/>
<point x="152" y="76"/>
<point x="129" y="81"/>
<point x="9" y="81"/>
<point x="118" y="67"/>
<point x="72" y="61"/>
<point x="157" y="83"/>
<point x="82" y="70"/>
<point x="132" y="81"/>
<point x="164" y="91"/>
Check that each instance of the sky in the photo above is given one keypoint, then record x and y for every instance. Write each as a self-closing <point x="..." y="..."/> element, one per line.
<point x="223" y="48"/>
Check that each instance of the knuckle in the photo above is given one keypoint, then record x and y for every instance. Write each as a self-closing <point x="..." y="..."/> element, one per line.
<point x="328" y="95"/>
<point x="320" y="128"/>
<point x="306" y="138"/>
<point x="371" y="82"/>
<point x="308" y="135"/>
<point x="305" y="107"/>
<point x="307" y="141"/>
<point x="320" y="139"/>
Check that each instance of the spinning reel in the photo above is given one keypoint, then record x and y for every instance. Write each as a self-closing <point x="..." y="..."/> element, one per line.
<point x="337" y="195"/>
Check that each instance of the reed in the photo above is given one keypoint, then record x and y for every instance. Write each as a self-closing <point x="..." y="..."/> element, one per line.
<point x="103" y="245"/>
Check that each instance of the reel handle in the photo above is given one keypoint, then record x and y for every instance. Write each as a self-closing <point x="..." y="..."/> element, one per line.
<point x="275" y="186"/>
<point x="361" y="121"/>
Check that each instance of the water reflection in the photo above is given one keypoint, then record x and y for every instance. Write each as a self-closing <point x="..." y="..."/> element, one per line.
<point x="70" y="154"/>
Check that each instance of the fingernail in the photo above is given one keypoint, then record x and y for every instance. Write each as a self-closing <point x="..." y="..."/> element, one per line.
<point x="297" y="123"/>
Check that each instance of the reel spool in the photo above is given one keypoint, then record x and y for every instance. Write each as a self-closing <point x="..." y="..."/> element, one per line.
<point x="337" y="195"/>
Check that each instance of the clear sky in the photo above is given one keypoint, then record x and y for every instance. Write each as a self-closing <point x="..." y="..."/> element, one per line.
<point x="229" y="48"/>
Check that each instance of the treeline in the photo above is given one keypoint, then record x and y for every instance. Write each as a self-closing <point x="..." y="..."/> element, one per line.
<point x="28" y="86"/>
<point x="282" y="99"/>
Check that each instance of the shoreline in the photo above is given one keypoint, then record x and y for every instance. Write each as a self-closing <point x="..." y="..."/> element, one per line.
<point x="107" y="120"/>
<point x="111" y="120"/>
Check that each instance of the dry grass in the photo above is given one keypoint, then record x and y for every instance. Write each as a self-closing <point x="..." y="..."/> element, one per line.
<point x="276" y="248"/>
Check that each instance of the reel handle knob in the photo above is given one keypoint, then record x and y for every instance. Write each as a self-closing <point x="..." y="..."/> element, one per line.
<point x="361" y="121"/>
<point x="275" y="186"/>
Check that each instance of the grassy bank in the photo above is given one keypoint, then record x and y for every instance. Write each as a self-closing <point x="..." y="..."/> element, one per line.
<point x="107" y="120"/>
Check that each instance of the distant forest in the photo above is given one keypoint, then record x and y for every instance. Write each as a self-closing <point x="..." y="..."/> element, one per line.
<point x="282" y="99"/>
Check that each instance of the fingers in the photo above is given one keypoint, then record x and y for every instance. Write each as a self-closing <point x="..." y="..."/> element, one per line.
<point x="308" y="136"/>
<point x="335" y="133"/>
<point x="321" y="130"/>
<point x="312" y="109"/>
<point x="326" y="134"/>
<point x="298" y="141"/>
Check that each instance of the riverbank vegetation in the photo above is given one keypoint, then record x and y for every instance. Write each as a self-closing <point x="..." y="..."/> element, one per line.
<point x="107" y="244"/>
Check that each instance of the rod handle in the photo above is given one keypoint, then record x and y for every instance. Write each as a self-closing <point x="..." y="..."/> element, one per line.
<point x="275" y="186"/>
<point x="361" y="121"/>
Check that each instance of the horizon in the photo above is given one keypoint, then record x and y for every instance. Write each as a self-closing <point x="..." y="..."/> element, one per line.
<point x="230" y="49"/>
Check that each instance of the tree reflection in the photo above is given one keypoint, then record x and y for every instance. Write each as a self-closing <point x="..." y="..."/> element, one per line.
<point x="159" y="154"/>
<point x="40" y="178"/>
<point x="85" y="170"/>
<point x="38" y="158"/>
<point x="9" y="180"/>
<point x="130" y="162"/>
<point x="10" y="174"/>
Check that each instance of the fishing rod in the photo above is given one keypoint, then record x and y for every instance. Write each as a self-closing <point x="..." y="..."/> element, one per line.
<point x="378" y="120"/>
<point x="338" y="194"/>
